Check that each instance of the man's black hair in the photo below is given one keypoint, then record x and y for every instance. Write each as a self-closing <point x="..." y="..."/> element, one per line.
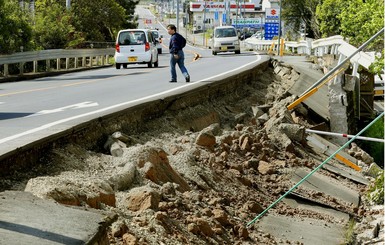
<point x="172" y="27"/>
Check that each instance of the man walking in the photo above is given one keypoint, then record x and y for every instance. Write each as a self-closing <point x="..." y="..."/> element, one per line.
<point x="177" y="43"/>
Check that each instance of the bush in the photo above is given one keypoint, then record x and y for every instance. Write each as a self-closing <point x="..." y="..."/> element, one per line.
<point x="376" y="190"/>
<point x="375" y="149"/>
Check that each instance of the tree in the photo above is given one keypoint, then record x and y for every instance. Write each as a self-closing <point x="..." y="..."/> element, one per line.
<point x="298" y="12"/>
<point x="360" y="20"/>
<point x="327" y="15"/>
<point x="53" y="26"/>
<point x="356" y="20"/>
<point x="98" y="20"/>
<point x="16" y="32"/>
<point x="130" y="19"/>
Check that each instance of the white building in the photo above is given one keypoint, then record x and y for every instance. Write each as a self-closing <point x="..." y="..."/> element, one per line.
<point x="241" y="14"/>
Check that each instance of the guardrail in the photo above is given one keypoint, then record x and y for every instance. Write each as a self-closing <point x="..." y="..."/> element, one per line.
<point x="301" y="47"/>
<point x="317" y="47"/>
<point x="53" y="60"/>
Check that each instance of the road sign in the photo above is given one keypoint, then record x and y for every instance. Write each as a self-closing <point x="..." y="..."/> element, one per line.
<point x="247" y="22"/>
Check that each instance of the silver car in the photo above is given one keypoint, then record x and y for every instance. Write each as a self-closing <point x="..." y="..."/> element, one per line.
<point x="225" y="39"/>
<point x="135" y="46"/>
<point x="158" y="39"/>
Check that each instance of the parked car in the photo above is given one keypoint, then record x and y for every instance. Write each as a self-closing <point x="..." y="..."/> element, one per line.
<point x="135" y="46"/>
<point x="258" y="35"/>
<point x="225" y="39"/>
<point x="245" y="35"/>
<point x="158" y="39"/>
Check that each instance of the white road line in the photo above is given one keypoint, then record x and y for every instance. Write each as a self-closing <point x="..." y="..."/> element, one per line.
<point x="34" y="130"/>
<point x="74" y="106"/>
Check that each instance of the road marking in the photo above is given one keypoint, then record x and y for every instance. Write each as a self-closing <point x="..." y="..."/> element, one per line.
<point x="54" y="87"/>
<point x="132" y="102"/>
<point x="69" y="107"/>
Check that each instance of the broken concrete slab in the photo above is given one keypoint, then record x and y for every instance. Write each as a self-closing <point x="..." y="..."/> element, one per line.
<point x="27" y="219"/>
<point x="294" y="203"/>
<point x="323" y="146"/>
<point x="322" y="183"/>
<point x="304" y="230"/>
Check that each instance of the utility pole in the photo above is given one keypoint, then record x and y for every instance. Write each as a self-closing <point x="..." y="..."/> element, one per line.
<point x="261" y="16"/>
<point x="236" y="17"/>
<point x="177" y="15"/>
<point x="204" y="24"/>
<point x="279" y="27"/>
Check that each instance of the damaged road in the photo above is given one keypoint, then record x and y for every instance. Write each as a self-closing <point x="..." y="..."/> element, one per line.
<point x="197" y="175"/>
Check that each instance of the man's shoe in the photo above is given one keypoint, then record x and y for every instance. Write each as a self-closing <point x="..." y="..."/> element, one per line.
<point x="172" y="81"/>
<point x="188" y="79"/>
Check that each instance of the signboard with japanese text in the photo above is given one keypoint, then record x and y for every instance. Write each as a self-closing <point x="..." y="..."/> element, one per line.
<point x="221" y="7"/>
<point x="271" y="30"/>
<point x="247" y="22"/>
<point x="271" y="23"/>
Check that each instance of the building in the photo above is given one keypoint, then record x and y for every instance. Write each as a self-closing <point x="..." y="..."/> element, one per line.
<point x="250" y="15"/>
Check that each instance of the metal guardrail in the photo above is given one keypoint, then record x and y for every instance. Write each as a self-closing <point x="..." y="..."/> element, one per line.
<point x="55" y="60"/>
<point x="301" y="47"/>
<point x="335" y="45"/>
<point x="317" y="47"/>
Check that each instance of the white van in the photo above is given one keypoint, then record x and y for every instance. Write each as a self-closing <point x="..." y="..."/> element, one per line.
<point x="225" y="39"/>
<point x="135" y="46"/>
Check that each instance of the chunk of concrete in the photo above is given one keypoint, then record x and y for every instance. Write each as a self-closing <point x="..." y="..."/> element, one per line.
<point x="27" y="219"/>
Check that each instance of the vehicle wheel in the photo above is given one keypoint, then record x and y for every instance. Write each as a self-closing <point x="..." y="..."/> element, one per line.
<point x="214" y="53"/>
<point x="156" y="64"/>
<point x="237" y="51"/>
<point x="159" y="51"/>
<point x="149" y="64"/>
<point x="117" y="65"/>
<point x="124" y="66"/>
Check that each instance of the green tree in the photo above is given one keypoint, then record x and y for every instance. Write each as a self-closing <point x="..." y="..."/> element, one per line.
<point x="98" y="20"/>
<point x="298" y="12"/>
<point x="327" y="15"/>
<point x="130" y="18"/>
<point x="356" y="20"/>
<point x="360" y="20"/>
<point x="16" y="31"/>
<point x="53" y="26"/>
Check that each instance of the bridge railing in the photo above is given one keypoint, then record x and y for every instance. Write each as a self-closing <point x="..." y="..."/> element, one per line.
<point x="317" y="47"/>
<point x="335" y="45"/>
<point x="53" y="60"/>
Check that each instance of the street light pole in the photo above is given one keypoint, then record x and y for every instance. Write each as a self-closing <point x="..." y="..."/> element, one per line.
<point x="204" y="24"/>
<point x="279" y="27"/>
<point x="261" y="16"/>
<point x="177" y="15"/>
<point x="236" y="18"/>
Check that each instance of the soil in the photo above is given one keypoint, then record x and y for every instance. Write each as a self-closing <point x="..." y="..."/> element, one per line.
<point x="169" y="185"/>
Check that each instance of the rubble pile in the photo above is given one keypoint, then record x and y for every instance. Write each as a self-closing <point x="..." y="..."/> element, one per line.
<point x="197" y="186"/>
